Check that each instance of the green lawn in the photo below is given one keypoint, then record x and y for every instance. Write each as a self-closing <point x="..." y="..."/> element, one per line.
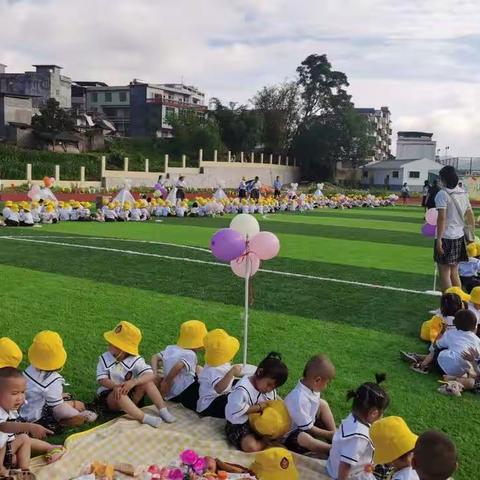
<point x="81" y="292"/>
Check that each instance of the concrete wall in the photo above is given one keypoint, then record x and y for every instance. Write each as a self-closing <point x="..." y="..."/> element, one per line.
<point x="415" y="148"/>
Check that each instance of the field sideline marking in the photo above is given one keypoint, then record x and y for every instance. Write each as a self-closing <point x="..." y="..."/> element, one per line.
<point x="205" y="262"/>
<point x="132" y="240"/>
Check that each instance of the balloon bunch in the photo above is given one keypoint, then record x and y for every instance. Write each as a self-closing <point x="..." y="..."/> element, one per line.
<point x="429" y="229"/>
<point x="49" y="181"/>
<point x="244" y="245"/>
<point x="159" y="191"/>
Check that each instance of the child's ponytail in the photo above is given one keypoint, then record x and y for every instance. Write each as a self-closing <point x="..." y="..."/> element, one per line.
<point x="273" y="367"/>
<point x="370" y="395"/>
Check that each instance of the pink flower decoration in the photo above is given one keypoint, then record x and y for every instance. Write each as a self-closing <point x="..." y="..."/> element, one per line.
<point x="200" y="466"/>
<point x="189" y="457"/>
<point x="175" y="474"/>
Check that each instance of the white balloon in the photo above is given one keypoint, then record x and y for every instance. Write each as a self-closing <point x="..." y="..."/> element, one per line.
<point x="246" y="224"/>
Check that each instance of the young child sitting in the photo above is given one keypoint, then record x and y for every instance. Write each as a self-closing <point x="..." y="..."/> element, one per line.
<point x="217" y="377"/>
<point x="14" y="449"/>
<point x="125" y="378"/>
<point x="468" y="271"/>
<point x="251" y="395"/>
<point x="311" y="417"/>
<point x="434" y="456"/>
<point x="12" y="388"/>
<point x="352" y="448"/>
<point x="45" y="403"/>
<point x="448" y="349"/>
<point x="10" y="353"/>
<point x="180" y="365"/>
<point x="474" y="303"/>
<point x="394" y="444"/>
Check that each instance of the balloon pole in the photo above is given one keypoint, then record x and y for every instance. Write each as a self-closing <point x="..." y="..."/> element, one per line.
<point x="245" y="328"/>
<point x="434" y="291"/>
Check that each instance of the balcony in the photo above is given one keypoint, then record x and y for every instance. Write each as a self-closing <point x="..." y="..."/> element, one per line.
<point x="175" y="104"/>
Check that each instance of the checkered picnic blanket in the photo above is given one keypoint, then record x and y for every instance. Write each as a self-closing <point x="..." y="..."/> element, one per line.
<point x="127" y="441"/>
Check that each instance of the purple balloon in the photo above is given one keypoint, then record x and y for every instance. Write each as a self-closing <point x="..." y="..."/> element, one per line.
<point x="157" y="186"/>
<point x="227" y="244"/>
<point x="429" y="230"/>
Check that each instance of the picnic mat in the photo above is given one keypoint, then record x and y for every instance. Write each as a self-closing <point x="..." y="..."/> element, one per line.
<point x="127" y="441"/>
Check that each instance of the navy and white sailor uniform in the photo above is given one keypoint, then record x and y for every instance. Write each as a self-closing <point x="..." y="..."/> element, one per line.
<point x="210" y="403"/>
<point x="352" y="445"/>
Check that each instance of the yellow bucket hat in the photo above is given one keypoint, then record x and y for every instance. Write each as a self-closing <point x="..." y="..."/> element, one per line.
<point x="273" y="422"/>
<point x="475" y="296"/>
<point x="8" y="203"/>
<point x="192" y="334"/>
<point x="47" y="352"/>
<point x="275" y="464"/>
<point x="220" y="347"/>
<point x="472" y="250"/>
<point x="125" y="336"/>
<point x="458" y="291"/>
<point x="10" y="353"/>
<point x="392" y="438"/>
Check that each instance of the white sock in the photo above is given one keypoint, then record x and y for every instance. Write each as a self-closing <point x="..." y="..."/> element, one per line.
<point x="154" y="422"/>
<point x="89" y="415"/>
<point x="166" y="415"/>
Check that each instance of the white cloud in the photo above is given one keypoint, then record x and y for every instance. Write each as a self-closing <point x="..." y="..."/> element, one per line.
<point x="418" y="57"/>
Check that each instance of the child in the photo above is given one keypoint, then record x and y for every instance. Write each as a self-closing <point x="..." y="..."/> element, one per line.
<point x="14" y="450"/>
<point x="45" y="402"/>
<point x="394" y="444"/>
<point x="474" y="303"/>
<point x="468" y="271"/>
<point x="110" y="213"/>
<point x="217" y="377"/>
<point x="180" y="365"/>
<point x="434" y="456"/>
<point x="26" y="218"/>
<point x="448" y="350"/>
<point x="311" y="417"/>
<point x="13" y="384"/>
<point x="352" y="450"/>
<point x="7" y="209"/>
<point x="125" y="378"/>
<point x="471" y="381"/>
<point x="10" y="353"/>
<point x="13" y="219"/>
<point x="251" y="395"/>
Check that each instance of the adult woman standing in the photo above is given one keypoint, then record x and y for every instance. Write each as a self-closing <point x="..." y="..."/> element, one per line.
<point x="432" y="193"/>
<point x="455" y="219"/>
<point x="425" y="190"/>
<point x="180" y="186"/>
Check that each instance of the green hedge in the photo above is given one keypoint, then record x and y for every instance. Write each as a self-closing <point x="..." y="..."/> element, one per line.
<point x="13" y="164"/>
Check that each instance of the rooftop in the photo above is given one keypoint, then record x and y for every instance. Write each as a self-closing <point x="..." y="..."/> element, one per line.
<point x="47" y="66"/>
<point x="394" y="163"/>
<point x="414" y="134"/>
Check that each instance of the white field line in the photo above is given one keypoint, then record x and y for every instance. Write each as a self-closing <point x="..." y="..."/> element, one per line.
<point x="205" y="262"/>
<point x="131" y="240"/>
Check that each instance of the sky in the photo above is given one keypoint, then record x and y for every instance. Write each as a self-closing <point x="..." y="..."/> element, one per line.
<point x="420" y="58"/>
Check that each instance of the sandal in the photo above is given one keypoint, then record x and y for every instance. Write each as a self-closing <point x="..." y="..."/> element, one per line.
<point x="408" y="357"/>
<point x="54" y="455"/>
<point x="417" y="367"/>
<point x="21" y="475"/>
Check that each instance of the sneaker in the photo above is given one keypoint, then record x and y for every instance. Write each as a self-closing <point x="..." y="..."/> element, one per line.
<point x="416" y="367"/>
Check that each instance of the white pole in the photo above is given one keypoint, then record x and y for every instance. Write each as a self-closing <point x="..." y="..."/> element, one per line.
<point x="247" y="290"/>
<point x="435" y="278"/>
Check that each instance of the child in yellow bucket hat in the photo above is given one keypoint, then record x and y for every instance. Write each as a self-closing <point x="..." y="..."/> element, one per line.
<point x="180" y="365"/>
<point x="10" y="353"/>
<point x="275" y="464"/>
<point x="312" y="422"/>
<point x="469" y="270"/>
<point x="394" y="443"/>
<point x="45" y="399"/>
<point x="217" y="377"/>
<point x="125" y="378"/>
<point x="251" y="395"/>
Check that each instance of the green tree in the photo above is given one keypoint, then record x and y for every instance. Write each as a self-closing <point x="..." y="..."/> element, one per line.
<point x="279" y="107"/>
<point x="193" y="131"/>
<point x="53" y="119"/>
<point x="240" y="128"/>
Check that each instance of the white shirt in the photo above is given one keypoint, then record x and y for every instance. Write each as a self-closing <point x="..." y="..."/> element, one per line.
<point x="407" y="473"/>
<point x="4" y="417"/>
<point x="43" y="388"/>
<point x="27" y="218"/>
<point x="110" y="213"/>
<point x="135" y="215"/>
<point x="170" y="357"/>
<point x="120" y="372"/>
<point x="13" y="216"/>
<point x="470" y="268"/>
<point x="241" y="398"/>
<point x="208" y="378"/>
<point x="352" y="445"/>
<point x="257" y="185"/>
<point x="475" y="311"/>
<point x="6" y="212"/>
<point x="302" y="405"/>
<point x="180" y="184"/>
<point x="64" y="214"/>
<point x="455" y="342"/>
<point x="454" y="222"/>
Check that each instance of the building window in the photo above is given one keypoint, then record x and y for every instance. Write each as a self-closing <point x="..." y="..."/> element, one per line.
<point x="395" y="174"/>
<point x="94" y="97"/>
<point x="123" y="96"/>
<point x="108" y="96"/>
<point x="414" y="174"/>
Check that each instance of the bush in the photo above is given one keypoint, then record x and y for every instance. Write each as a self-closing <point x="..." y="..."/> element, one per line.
<point x="13" y="164"/>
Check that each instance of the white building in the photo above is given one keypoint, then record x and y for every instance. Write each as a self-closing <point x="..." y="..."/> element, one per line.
<point x="415" y="145"/>
<point x="393" y="174"/>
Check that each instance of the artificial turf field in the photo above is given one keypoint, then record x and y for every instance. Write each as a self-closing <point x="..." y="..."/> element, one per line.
<point x="87" y="276"/>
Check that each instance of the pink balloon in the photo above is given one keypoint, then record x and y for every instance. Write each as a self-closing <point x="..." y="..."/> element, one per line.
<point x="265" y="245"/>
<point x="431" y="216"/>
<point x="239" y="265"/>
